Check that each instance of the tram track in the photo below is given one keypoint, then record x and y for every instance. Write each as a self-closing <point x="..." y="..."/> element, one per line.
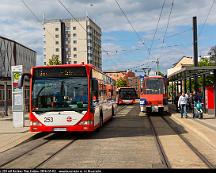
<point x="32" y="154"/>
<point x="32" y="148"/>
<point x="54" y="154"/>
<point x="160" y="148"/>
<point x="121" y="108"/>
<point x="190" y="145"/>
<point x="18" y="151"/>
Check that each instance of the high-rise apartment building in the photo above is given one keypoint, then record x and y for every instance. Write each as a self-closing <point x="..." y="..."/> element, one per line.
<point x="73" y="41"/>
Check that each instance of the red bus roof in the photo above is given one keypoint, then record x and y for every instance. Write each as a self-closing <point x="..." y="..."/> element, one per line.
<point x="125" y="87"/>
<point x="72" y="65"/>
<point x="159" y="77"/>
<point x="65" y="65"/>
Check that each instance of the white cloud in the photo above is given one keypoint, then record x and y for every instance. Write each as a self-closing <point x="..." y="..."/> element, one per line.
<point x="19" y="24"/>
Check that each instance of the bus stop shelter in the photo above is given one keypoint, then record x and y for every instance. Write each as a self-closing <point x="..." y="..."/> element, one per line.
<point x="189" y="73"/>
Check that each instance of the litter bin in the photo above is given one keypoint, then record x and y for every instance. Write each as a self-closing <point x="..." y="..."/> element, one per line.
<point x="143" y="102"/>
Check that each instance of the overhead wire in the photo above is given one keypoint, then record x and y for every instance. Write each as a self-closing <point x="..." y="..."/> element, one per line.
<point x="31" y="12"/>
<point x="166" y="29"/>
<point x="37" y="18"/>
<point x="68" y="11"/>
<point x="206" y="19"/>
<point x="168" y="22"/>
<point x="129" y="22"/>
<point x="150" y="49"/>
<point x="156" y="29"/>
<point x="62" y="4"/>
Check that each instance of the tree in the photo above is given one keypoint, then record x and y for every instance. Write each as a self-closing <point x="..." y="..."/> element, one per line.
<point x="209" y="78"/>
<point x="161" y="74"/>
<point x="212" y="53"/>
<point x="54" y="60"/>
<point x="121" y="82"/>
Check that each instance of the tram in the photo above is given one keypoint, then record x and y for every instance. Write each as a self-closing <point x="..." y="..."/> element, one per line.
<point x="154" y="96"/>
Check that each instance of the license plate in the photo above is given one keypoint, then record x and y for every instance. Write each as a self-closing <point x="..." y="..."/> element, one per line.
<point x="59" y="129"/>
<point x="127" y="101"/>
<point x="154" y="109"/>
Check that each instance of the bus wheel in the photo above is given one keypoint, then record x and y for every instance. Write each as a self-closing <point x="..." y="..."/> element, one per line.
<point x="113" y="112"/>
<point x="101" y="120"/>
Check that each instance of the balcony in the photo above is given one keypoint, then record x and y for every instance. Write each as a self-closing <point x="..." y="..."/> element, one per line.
<point x="89" y="30"/>
<point x="90" y="44"/>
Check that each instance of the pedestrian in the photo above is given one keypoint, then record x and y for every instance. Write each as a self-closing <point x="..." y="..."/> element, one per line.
<point x="190" y="101"/>
<point x="197" y="100"/>
<point x="182" y="103"/>
<point x="197" y="97"/>
<point x="176" y="101"/>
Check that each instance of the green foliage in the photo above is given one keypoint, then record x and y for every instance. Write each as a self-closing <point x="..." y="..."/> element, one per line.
<point x="204" y="62"/>
<point x="212" y="53"/>
<point x="160" y="73"/>
<point x="54" y="60"/>
<point x="121" y="82"/>
<point x="209" y="78"/>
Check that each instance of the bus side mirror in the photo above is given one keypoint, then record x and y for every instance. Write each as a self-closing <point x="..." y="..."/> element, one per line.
<point x="21" y="79"/>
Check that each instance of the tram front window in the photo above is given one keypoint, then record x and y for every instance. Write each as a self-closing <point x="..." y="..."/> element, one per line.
<point x="155" y="86"/>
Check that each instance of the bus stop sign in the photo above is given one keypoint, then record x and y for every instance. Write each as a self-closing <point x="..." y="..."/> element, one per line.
<point x="17" y="97"/>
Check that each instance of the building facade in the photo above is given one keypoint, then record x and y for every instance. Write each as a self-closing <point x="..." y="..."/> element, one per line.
<point x="117" y="74"/>
<point x="183" y="62"/>
<point x="129" y="76"/>
<point x="135" y="83"/>
<point x="12" y="54"/>
<point x="73" y="41"/>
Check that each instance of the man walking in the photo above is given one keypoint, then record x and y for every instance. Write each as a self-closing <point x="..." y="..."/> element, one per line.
<point x="176" y="101"/>
<point x="182" y="103"/>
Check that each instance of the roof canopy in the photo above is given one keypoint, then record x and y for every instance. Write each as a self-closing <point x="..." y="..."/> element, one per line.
<point x="190" y="72"/>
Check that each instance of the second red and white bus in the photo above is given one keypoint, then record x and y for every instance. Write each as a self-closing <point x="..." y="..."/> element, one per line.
<point x="154" y="95"/>
<point x="126" y="95"/>
<point x="73" y="97"/>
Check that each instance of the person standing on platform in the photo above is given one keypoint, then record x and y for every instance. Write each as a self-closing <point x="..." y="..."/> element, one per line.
<point x="176" y="101"/>
<point x="182" y="103"/>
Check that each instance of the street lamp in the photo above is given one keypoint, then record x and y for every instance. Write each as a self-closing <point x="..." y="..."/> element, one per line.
<point x="86" y="9"/>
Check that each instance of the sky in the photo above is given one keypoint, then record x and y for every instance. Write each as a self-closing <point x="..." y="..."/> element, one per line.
<point x="126" y="41"/>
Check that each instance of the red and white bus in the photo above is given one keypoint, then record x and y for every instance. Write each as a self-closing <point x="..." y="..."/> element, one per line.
<point x="126" y="95"/>
<point x="72" y="97"/>
<point x="154" y="95"/>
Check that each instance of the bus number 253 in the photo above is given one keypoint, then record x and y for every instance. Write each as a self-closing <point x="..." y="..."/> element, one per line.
<point x="48" y="119"/>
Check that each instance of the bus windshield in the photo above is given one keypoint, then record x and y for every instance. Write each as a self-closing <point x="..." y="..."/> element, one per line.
<point x="60" y="94"/>
<point x="154" y="86"/>
<point x="127" y="93"/>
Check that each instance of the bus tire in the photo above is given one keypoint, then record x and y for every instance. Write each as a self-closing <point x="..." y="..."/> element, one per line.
<point x="101" y="119"/>
<point x="113" y="112"/>
<point x="100" y="122"/>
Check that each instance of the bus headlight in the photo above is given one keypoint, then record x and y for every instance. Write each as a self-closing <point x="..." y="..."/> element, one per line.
<point x="35" y="123"/>
<point x="88" y="122"/>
